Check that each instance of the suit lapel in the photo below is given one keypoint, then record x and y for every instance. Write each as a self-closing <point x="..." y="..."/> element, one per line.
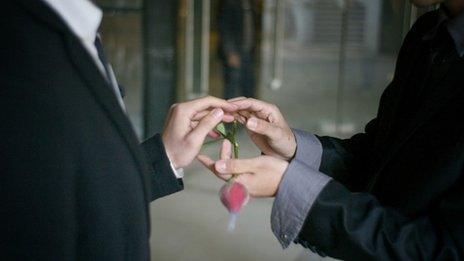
<point x="102" y="92"/>
<point x="433" y="103"/>
<point x="94" y="80"/>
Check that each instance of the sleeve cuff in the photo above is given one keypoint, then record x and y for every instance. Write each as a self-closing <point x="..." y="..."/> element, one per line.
<point x="297" y="193"/>
<point x="179" y="173"/>
<point x="308" y="149"/>
<point x="163" y="178"/>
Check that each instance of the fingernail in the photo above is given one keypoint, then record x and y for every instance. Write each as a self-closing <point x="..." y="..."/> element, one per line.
<point x="252" y="123"/>
<point x="221" y="166"/>
<point x="217" y="113"/>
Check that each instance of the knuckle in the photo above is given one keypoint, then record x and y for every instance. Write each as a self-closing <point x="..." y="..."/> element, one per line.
<point x="274" y="107"/>
<point x="243" y="179"/>
<point x="188" y="142"/>
<point x="231" y="165"/>
<point x="179" y="108"/>
<point x="253" y="100"/>
<point x="174" y="106"/>
<point x="193" y="124"/>
<point x="210" y="121"/>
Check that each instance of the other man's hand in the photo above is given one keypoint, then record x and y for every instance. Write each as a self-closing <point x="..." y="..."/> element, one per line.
<point x="261" y="175"/>
<point x="189" y="123"/>
<point x="266" y="127"/>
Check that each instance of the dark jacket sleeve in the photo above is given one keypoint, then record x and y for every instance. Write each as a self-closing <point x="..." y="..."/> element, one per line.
<point x="350" y="160"/>
<point x="354" y="226"/>
<point x="345" y="159"/>
<point x="163" y="179"/>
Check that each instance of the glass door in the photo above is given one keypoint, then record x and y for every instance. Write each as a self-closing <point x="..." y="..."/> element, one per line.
<point x="325" y="63"/>
<point x="193" y="46"/>
<point x="121" y="32"/>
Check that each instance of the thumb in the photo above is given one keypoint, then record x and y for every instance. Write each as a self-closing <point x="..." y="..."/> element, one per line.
<point x="263" y="127"/>
<point x="209" y="163"/>
<point x="206" y="125"/>
<point x="237" y="166"/>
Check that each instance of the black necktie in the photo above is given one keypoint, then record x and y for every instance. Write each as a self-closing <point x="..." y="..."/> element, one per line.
<point x="104" y="61"/>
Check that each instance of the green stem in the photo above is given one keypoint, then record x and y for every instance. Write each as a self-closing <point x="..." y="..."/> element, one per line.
<point x="231" y="136"/>
<point x="234" y="142"/>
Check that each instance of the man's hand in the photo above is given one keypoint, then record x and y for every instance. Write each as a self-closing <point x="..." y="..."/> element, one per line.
<point x="266" y="127"/>
<point x="189" y="123"/>
<point x="261" y="175"/>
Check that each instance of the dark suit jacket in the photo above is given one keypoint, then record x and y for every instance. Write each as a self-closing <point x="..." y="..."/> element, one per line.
<point x="398" y="189"/>
<point x="74" y="180"/>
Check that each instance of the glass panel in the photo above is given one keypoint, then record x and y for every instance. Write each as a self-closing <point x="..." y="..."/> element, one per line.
<point x="193" y="48"/>
<point x="337" y="55"/>
<point x="122" y="37"/>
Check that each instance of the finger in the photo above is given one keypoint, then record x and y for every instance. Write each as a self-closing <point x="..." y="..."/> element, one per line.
<point x="228" y="117"/>
<point x="206" y="161"/>
<point x="251" y="104"/>
<point x="210" y="102"/>
<point x="200" y="115"/>
<point x="194" y="124"/>
<point x="237" y="166"/>
<point x="209" y="163"/>
<point x="226" y="150"/>
<point x="213" y="134"/>
<point x="245" y="114"/>
<point x="241" y="117"/>
<point x="260" y="108"/>
<point x="205" y="126"/>
<point x="263" y="146"/>
<point x="237" y="99"/>
<point x="263" y="127"/>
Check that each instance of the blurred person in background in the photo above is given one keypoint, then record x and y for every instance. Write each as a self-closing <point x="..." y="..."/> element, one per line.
<point x="394" y="192"/>
<point x="237" y="21"/>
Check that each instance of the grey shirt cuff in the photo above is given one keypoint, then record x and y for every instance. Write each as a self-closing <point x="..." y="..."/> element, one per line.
<point x="299" y="189"/>
<point x="308" y="148"/>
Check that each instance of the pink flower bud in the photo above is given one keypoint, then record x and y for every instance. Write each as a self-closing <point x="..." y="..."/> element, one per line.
<point x="234" y="196"/>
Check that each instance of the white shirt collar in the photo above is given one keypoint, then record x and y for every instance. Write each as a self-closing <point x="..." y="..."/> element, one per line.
<point x="82" y="16"/>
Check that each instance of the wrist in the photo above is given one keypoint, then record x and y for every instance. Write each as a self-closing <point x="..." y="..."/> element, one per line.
<point x="169" y="153"/>
<point x="293" y="147"/>
<point x="283" y="168"/>
<point x="292" y="151"/>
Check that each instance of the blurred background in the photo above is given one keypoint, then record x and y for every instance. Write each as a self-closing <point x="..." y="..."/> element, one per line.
<point x="325" y="63"/>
